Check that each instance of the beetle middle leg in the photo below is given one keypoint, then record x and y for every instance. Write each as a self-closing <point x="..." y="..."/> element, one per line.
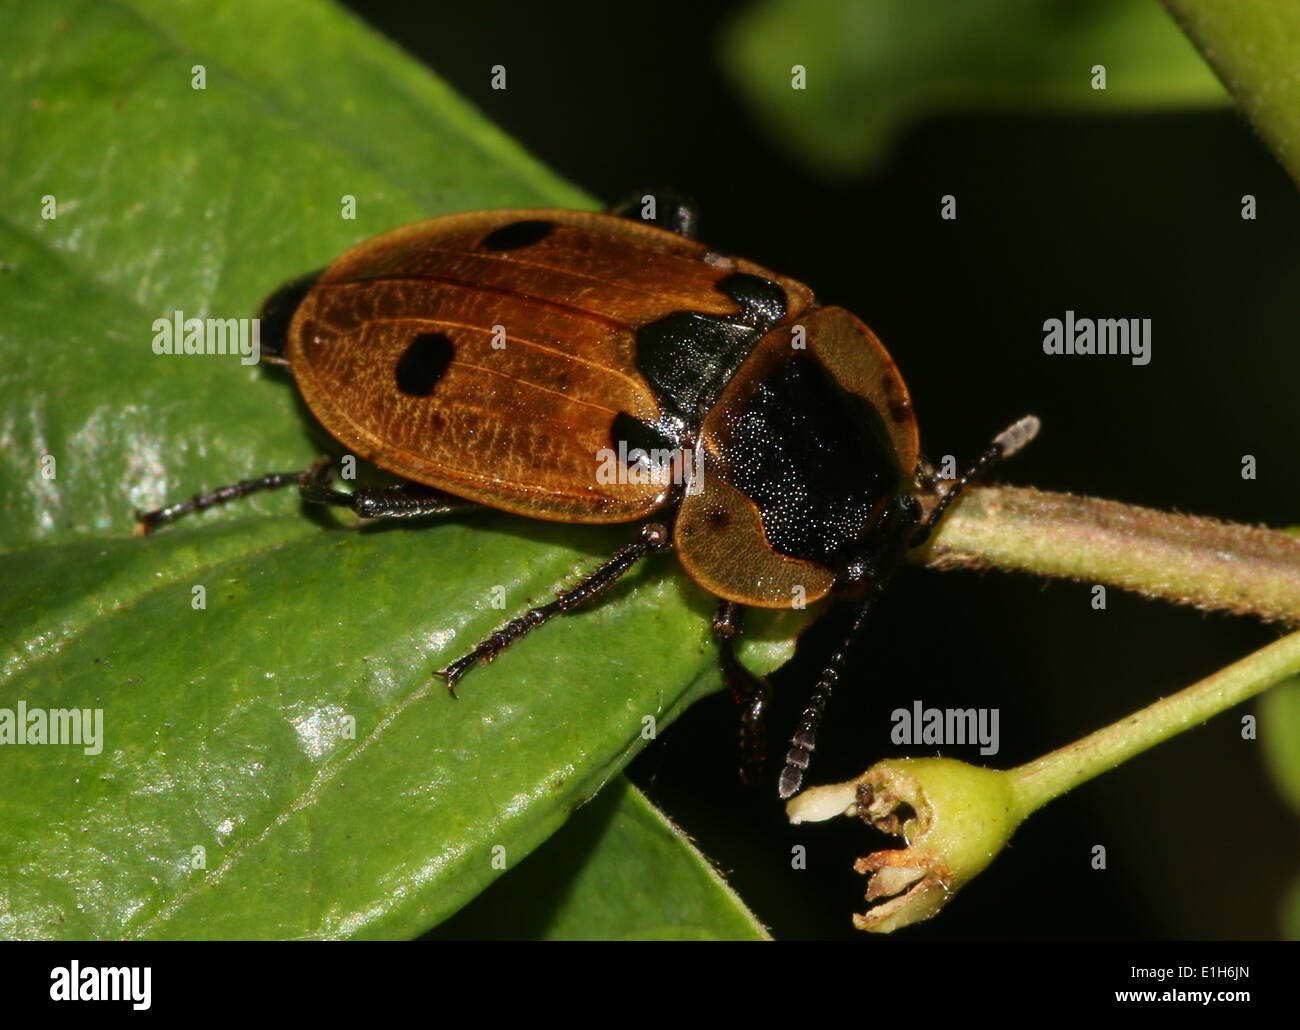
<point x="751" y="692"/>
<point x="654" y="537"/>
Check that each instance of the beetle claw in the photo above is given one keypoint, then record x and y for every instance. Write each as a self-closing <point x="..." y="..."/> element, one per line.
<point x="451" y="677"/>
<point x="453" y="672"/>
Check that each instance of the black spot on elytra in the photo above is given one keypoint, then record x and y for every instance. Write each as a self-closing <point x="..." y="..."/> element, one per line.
<point x="423" y="363"/>
<point x="517" y="235"/>
<point x="717" y="518"/>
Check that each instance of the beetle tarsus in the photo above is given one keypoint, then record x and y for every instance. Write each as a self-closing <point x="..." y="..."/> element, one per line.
<point x="145" y="521"/>
<point x="453" y="672"/>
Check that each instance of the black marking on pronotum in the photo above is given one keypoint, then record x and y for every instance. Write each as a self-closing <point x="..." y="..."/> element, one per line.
<point x="689" y="356"/>
<point x="518" y="234"/>
<point x="789" y="448"/>
<point x="423" y="363"/>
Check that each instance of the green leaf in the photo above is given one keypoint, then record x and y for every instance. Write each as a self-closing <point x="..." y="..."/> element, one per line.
<point x="278" y="762"/>
<point x="619" y="870"/>
<point x="171" y="198"/>
<point x="1254" y="47"/>
<point x="873" y="67"/>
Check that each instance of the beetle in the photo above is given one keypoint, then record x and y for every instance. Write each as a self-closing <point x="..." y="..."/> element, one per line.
<point x="516" y="358"/>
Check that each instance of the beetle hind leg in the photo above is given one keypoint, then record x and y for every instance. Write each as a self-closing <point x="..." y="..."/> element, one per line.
<point x="406" y="500"/>
<point x="751" y="692"/>
<point x="654" y="537"/>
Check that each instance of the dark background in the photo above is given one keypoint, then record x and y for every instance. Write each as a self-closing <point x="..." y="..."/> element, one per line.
<point x="1132" y="216"/>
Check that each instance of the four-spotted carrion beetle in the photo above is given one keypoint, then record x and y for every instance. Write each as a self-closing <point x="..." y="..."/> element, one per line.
<point x="499" y="357"/>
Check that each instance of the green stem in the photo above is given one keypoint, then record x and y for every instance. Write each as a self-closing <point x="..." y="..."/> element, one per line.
<point x="1187" y="559"/>
<point x="1039" y="781"/>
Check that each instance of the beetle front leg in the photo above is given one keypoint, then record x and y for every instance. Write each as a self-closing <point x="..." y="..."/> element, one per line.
<point x="751" y="692"/>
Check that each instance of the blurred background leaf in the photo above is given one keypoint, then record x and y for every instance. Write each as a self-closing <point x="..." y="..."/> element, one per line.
<point x="1279" y="722"/>
<point x="1252" y="45"/>
<point x="1279" y="713"/>
<point x="873" y="68"/>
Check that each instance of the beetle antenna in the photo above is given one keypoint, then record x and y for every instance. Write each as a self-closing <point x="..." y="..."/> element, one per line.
<point x="1005" y="444"/>
<point x="804" y="741"/>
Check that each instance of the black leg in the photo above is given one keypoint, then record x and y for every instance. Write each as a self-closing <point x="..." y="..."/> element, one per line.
<point x="751" y="692"/>
<point x="402" y="501"/>
<point x="673" y="211"/>
<point x="654" y="537"/>
<point x="1005" y="444"/>
<point x="804" y="742"/>
<point x="146" y="520"/>
<point x="406" y="499"/>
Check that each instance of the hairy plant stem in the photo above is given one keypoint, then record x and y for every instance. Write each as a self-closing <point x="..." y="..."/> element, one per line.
<point x="1187" y="559"/>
